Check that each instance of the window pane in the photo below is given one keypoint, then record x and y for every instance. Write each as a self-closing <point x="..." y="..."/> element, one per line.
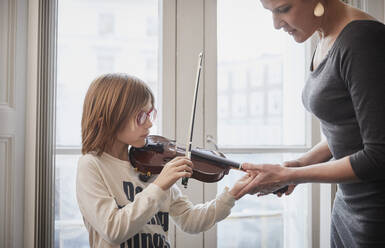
<point x="261" y="72"/>
<point x="69" y="227"/>
<point x="266" y="221"/>
<point x="96" y="37"/>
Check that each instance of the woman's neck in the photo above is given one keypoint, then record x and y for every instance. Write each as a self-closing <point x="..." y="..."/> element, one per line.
<point x="334" y="20"/>
<point x="337" y="16"/>
<point x="118" y="150"/>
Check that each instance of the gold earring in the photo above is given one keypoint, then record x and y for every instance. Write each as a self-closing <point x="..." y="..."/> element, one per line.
<point x="319" y="10"/>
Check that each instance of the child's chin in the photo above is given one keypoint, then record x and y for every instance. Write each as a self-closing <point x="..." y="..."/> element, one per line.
<point x="139" y="143"/>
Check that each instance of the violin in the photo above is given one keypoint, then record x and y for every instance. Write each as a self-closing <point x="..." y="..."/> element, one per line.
<point x="209" y="166"/>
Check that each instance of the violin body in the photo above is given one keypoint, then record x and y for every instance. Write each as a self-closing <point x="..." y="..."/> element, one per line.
<point x="208" y="166"/>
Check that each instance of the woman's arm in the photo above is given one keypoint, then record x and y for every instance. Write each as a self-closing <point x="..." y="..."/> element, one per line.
<point x="362" y="70"/>
<point x="335" y="171"/>
<point x="318" y="154"/>
<point x="268" y="177"/>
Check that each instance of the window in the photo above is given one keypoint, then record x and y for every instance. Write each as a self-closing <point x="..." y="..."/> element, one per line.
<point x="105" y="63"/>
<point x="257" y="77"/>
<point x="94" y="37"/>
<point x="100" y="36"/>
<point x="258" y="101"/>
<point x="106" y="23"/>
<point x="258" y="90"/>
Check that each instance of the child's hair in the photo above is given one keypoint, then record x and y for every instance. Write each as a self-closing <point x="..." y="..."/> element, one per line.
<point x="111" y="99"/>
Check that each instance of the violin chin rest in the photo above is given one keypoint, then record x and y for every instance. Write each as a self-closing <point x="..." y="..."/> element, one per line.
<point x="143" y="177"/>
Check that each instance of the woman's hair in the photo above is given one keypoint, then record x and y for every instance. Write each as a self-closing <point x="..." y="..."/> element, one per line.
<point x="111" y="99"/>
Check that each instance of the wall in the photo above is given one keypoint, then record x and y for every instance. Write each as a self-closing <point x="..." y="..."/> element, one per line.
<point x="13" y="54"/>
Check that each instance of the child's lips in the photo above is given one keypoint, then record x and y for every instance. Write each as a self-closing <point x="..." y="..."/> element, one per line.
<point x="145" y="135"/>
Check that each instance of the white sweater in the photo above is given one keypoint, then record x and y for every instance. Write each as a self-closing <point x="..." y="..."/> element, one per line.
<point x="119" y="210"/>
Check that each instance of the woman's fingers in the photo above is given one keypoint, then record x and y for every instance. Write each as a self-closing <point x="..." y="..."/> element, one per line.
<point x="290" y="189"/>
<point x="248" y="166"/>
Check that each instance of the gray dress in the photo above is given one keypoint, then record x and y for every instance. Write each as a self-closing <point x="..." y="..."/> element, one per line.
<point x="347" y="93"/>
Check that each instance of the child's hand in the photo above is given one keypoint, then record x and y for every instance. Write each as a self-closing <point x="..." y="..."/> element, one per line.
<point x="177" y="168"/>
<point x="240" y="184"/>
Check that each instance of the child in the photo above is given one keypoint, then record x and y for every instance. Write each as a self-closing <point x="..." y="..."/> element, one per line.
<point x="119" y="209"/>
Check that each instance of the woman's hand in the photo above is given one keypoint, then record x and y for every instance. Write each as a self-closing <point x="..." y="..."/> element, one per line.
<point x="267" y="178"/>
<point x="291" y="163"/>
<point x="240" y="184"/>
<point x="177" y="168"/>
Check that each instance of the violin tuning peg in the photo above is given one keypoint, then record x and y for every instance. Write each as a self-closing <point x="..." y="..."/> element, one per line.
<point x="210" y="139"/>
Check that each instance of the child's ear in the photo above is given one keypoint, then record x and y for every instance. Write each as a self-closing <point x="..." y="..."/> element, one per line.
<point x="133" y="123"/>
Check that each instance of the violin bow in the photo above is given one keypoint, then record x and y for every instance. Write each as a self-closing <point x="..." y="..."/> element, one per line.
<point x="189" y="141"/>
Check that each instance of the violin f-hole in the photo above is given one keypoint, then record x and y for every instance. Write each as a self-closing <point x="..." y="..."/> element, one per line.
<point x="166" y="160"/>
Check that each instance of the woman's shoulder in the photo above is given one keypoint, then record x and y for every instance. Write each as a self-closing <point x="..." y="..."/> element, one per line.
<point x="363" y="33"/>
<point x="363" y="26"/>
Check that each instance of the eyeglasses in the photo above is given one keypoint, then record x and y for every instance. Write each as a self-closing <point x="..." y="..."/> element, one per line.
<point x="143" y="116"/>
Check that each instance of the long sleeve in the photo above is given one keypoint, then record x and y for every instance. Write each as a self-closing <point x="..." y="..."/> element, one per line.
<point x="100" y="210"/>
<point x="201" y="217"/>
<point x="346" y="92"/>
<point x="363" y="70"/>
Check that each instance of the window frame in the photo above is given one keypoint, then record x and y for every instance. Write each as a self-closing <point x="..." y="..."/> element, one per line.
<point x="177" y="58"/>
<point x="167" y="75"/>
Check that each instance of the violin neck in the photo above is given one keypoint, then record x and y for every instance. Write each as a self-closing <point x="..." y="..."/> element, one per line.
<point x="215" y="158"/>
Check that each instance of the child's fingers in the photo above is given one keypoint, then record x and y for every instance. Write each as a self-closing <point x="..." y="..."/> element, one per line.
<point x="184" y="174"/>
<point x="178" y="158"/>
<point x="246" y="179"/>
<point x="247" y="189"/>
<point x="182" y="160"/>
<point x="184" y="167"/>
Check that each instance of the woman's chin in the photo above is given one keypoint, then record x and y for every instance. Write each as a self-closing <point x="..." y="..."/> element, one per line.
<point x="299" y="39"/>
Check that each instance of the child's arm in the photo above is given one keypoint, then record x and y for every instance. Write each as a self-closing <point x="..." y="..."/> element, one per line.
<point x="99" y="208"/>
<point x="201" y="217"/>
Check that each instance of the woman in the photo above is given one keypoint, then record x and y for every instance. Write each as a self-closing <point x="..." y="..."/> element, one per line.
<point x="345" y="90"/>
